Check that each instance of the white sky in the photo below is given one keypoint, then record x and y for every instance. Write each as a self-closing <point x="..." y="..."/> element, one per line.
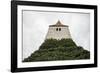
<point x="36" y="24"/>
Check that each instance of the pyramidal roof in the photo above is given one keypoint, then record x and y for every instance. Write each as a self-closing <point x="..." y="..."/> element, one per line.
<point x="58" y="24"/>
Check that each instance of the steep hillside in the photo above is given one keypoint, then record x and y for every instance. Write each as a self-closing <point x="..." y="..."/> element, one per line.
<point x="53" y="49"/>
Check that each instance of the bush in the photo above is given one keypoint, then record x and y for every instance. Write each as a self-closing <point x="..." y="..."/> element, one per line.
<point x="64" y="49"/>
<point x="53" y="43"/>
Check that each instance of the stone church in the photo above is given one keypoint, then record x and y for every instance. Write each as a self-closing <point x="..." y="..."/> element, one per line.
<point x="58" y="31"/>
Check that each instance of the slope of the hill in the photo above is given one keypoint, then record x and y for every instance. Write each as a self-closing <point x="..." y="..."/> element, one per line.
<point x="53" y="49"/>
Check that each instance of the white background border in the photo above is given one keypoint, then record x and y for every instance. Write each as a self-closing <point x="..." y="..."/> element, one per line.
<point x="54" y="63"/>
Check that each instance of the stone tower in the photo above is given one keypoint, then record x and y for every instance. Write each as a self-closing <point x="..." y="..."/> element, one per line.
<point x="58" y="31"/>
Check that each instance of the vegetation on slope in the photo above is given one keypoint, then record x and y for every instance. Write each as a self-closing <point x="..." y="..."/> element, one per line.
<point x="53" y="49"/>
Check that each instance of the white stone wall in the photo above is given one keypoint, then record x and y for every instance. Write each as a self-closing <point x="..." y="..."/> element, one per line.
<point x="52" y="33"/>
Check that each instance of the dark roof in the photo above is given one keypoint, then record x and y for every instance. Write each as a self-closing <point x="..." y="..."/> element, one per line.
<point x="58" y="24"/>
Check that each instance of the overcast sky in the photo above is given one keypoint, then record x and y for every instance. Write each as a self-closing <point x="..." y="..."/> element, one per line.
<point x="36" y="24"/>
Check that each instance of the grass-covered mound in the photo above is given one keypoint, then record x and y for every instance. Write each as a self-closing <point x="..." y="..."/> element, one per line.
<point x="53" y="49"/>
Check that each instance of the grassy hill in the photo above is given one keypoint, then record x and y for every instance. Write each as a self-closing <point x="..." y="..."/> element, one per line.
<point x="53" y="49"/>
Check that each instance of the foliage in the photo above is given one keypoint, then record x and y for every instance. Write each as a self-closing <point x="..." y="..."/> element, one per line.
<point x="53" y="43"/>
<point x="64" y="49"/>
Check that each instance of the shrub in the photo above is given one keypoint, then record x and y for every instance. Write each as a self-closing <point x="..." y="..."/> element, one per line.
<point x="53" y="43"/>
<point x="64" y="49"/>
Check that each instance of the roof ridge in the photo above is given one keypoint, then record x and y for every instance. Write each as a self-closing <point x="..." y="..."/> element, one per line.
<point x="58" y="24"/>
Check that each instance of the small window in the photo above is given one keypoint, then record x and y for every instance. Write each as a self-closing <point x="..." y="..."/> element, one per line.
<point x="56" y="29"/>
<point x="59" y="29"/>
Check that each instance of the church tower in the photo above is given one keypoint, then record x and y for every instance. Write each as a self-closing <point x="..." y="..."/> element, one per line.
<point x="58" y="31"/>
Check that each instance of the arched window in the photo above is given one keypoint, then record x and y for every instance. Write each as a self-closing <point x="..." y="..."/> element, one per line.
<point x="59" y="29"/>
<point x="56" y="29"/>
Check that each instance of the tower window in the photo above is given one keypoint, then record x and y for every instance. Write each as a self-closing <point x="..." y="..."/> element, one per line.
<point x="56" y="29"/>
<point x="59" y="29"/>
